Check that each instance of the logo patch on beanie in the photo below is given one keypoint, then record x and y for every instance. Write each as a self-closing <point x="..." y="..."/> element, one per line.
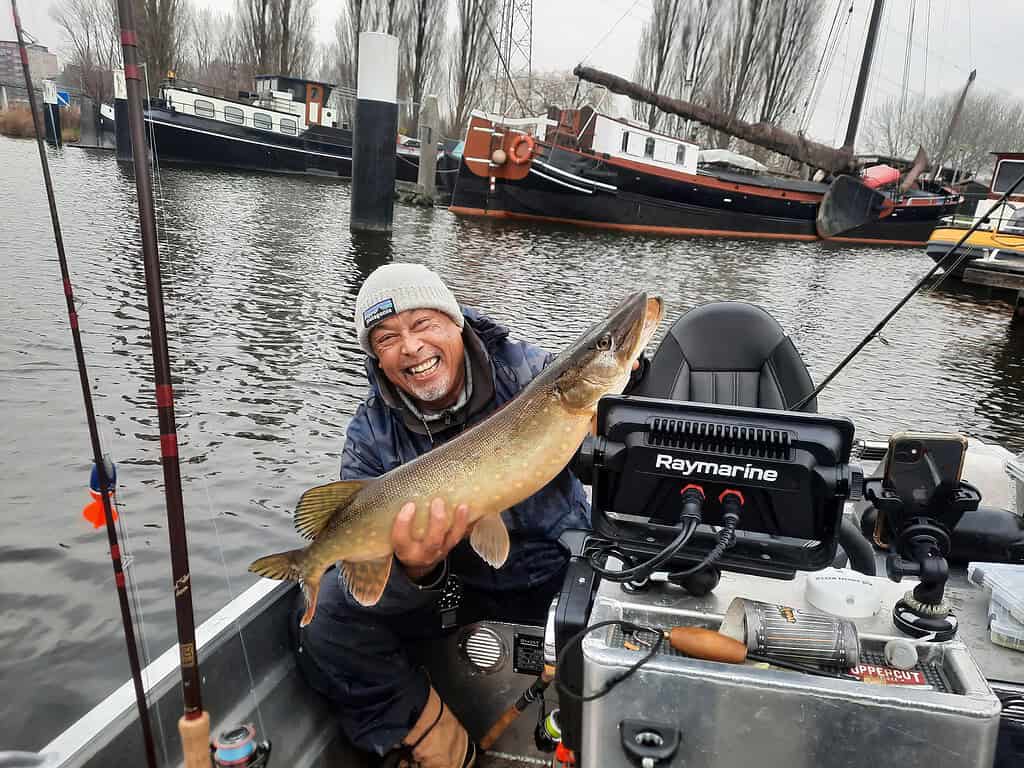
<point x="378" y="312"/>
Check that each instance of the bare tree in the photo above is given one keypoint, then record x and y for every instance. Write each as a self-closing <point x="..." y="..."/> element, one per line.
<point x="163" y="32"/>
<point x="472" y="56"/>
<point x="423" y="27"/>
<point x="203" y="40"/>
<point x="786" y="54"/>
<point x="693" y="57"/>
<point x="733" y="89"/>
<point x="656" y="60"/>
<point x="560" y="89"/>
<point x="256" y="17"/>
<point x="90" y="32"/>
<point x="217" y="53"/>
<point x="990" y="122"/>
<point x="293" y="24"/>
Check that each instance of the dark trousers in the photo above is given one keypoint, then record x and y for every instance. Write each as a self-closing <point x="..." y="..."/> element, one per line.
<point x="369" y="661"/>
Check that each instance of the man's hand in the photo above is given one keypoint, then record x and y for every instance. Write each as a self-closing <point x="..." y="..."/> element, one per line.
<point x="421" y="555"/>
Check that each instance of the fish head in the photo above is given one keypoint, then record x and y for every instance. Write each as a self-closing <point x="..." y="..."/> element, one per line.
<point x="599" y="362"/>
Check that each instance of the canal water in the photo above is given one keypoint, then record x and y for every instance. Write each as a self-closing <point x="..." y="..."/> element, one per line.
<point x="261" y="275"/>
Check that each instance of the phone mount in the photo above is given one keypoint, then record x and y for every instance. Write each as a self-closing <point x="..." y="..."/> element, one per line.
<point x="920" y="541"/>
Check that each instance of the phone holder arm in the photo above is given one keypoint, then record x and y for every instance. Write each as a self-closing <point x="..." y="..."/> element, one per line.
<point x="920" y="542"/>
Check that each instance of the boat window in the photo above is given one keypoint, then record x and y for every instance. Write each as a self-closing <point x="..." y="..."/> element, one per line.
<point x="204" y="108"/>
<point x="313" y="94"/>
<point x="234" y="115"/>
<point x="1016" y="222"/>
<point x="288" y="126"/>
<point x="649" y="148"/>
<point x="1006" y="174"/>
<point x="262" y="120"/>
<point x="625" y="141"/>
<point x="681" y="155"/>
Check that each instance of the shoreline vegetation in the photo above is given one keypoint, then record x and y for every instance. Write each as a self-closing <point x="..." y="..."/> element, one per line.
<point x="16" y="123"/>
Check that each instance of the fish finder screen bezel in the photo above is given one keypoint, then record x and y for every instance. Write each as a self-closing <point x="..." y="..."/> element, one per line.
<point x="792" y="469"/>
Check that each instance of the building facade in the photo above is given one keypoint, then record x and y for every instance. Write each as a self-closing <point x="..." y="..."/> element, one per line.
<point x="41" y="61"/>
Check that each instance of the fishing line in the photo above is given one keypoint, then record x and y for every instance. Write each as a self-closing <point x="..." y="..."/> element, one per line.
<point x="174" y="327"/>
<point x="964" y="256"/>
<point x="100" y="466"/>
<point x="909" y="295"/>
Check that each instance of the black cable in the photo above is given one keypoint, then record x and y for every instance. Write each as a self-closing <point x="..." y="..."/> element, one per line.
<point x="577" y="639"/>
<point x="645" y="569"/>
<point x="726" y="537"/>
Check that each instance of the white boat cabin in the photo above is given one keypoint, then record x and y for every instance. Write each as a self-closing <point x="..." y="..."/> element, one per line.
<point x="594" y="131"/>
<point x="1009" y="217"/>
<point x="284" y="105"/>
<point x="629" y="140"/>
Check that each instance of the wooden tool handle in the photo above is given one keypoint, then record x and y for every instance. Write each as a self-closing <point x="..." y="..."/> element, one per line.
<point x="498" y="728"/>
<point x="195" y="741"/>
<point x="707" y="644"/>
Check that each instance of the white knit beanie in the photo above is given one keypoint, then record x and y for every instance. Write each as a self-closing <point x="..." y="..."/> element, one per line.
<point x="394" y="288"/>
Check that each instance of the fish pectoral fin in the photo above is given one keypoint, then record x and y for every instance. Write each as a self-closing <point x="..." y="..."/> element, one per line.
<point x="489" y="539"/>
<point x="366" y="579"/>
<point x="318" y="504"/>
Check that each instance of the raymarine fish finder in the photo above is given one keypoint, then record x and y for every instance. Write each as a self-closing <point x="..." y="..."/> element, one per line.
<point x="761" y="491"/>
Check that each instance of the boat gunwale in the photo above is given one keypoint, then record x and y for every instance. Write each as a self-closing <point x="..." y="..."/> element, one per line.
<point x="160" y="675"/>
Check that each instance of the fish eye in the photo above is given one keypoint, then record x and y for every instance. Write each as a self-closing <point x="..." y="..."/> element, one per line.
<point x="605" y="342"/>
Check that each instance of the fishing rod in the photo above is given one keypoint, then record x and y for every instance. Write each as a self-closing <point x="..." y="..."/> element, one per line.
<point x="194" y="725"/>
<point x="103" y="472"/>
<point x="910" y="294"/>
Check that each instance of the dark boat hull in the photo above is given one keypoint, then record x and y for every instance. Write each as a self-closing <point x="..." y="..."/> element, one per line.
<point x="583" y="188"/>
<point x="183" y="139"/>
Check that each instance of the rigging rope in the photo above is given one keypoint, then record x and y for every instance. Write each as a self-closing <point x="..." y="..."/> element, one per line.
<point x="817" y="72"/>
<point x="612" y="29"/>
<point x="927" y="46"/>
<point x="905" y="84"/>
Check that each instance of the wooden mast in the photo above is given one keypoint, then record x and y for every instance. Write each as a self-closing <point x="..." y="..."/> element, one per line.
<point x="862" y="78"/>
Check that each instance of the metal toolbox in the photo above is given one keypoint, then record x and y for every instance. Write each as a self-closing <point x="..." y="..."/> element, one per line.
<point x="741" y="716"/>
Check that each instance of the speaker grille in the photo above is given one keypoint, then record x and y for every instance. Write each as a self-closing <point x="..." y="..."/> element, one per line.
<point x="483" y="649"/>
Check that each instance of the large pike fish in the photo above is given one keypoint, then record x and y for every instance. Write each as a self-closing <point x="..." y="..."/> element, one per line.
<point x="494" y="465"/>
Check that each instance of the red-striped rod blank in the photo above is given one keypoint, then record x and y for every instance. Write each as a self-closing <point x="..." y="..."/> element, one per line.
<point x="194" y="725"/>
<point x="90" y="414"/>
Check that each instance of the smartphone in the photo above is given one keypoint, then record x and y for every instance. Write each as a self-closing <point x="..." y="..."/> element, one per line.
<point x="920" y="465"/>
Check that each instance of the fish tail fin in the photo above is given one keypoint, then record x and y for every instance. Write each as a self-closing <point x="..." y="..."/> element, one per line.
<point x="288" y="566"/>
<point x="310" y="590"/>
<point x="284" y="566"/>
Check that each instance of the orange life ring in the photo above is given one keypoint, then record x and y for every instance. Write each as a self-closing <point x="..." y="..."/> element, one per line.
<point x="517" y="142"/>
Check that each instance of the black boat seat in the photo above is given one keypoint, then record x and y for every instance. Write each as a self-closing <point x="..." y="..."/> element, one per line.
<point x="729" y="353"/>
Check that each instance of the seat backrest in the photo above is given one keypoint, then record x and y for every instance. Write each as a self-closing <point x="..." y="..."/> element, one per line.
<point x="729" y="353"/>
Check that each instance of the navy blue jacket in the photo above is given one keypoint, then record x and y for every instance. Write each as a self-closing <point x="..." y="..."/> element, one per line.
<point x="378" y="440"/>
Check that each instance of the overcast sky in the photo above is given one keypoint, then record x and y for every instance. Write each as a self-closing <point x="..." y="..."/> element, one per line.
<point x="950" y="37"/>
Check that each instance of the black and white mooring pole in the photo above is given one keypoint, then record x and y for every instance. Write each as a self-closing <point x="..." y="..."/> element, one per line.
<point x="375" y="134"/>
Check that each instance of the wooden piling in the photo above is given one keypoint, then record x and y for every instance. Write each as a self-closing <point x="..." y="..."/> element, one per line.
<point x="429" y="133"/>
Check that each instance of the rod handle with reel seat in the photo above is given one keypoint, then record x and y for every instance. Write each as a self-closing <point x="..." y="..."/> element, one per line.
<point x="531" y="694"/>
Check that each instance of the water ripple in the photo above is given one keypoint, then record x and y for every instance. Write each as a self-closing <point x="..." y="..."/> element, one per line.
<point x="260" y="275"/>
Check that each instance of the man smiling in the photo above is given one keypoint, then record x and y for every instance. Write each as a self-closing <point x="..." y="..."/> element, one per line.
<point x="434" y="369"/>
